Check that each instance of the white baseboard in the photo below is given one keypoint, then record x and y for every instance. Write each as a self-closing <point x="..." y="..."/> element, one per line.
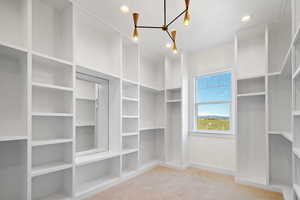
<point x="212" y="169"/>
<point x="174" y="165"/>
<point x="247" y="182"/>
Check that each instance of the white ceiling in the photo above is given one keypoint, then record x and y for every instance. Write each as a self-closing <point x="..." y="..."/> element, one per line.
<point x="212" y="21"/>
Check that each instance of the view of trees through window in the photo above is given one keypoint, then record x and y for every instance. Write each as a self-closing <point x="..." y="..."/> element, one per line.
<point x="213" y="102"/>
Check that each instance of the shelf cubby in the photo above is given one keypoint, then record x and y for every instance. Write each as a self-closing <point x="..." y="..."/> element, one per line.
<point x="95" y="175"/>
<point x="13" y="87"/>
<point x="15" y="32"/>
<point x="280" y="37"/>
<point x="280" y="161"/>
<point x="130" y="90"/>
<point x="52" y="28"/>
<point x="51" y="101"/>
<point x="251" y="85"/>
<point x="173" y="133"/>
<point x="297" y="94"/>
<point x="129" y="163"/>
<point x="252" y="154"/>
<point x="130" y="108"/>
<point x="152" y="73"/>
<point x="130" y="61"/>
<point x="85" y="139"/>
<point x="51" y="128"/>
<point x="152" y="109"/>
<point x="251" y="47"/>
<point x="296" y="15"/>
<point x="151" y="148"/>
<point x="296" y="135"/>
<point x="173" y="72"/>
<point x="98" y="47"/>
<point x="13" y="170"/>
<point x="50" y="158"/>
<point x="130" y="125"/>
<point x="173" y="94"/>
<point x="130" y="143"/>
<point x="52" y="73"/>
<point x="280" y="103"/>
<point x="54" y="186"/>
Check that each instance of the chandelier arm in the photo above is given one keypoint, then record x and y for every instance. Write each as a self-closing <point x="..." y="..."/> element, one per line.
<point x="153" y="27"/>
<point x="165" y="13"/>
<point x="170" y="36"/>
<point x="177" y="17"/>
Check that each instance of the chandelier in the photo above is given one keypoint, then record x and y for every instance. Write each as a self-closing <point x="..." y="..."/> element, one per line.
<point x="165" y="26"/>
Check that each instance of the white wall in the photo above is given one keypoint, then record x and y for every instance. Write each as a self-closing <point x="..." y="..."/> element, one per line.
<point x="210" y="151"/>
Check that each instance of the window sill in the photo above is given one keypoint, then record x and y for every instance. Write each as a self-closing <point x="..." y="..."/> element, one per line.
<point x="215" y="134"/>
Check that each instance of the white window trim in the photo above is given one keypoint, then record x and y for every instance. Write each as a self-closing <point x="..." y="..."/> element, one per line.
<point x="195" y="131"/>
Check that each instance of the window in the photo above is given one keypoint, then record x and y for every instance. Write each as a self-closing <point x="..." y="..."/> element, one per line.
<point x="213" y="102"/>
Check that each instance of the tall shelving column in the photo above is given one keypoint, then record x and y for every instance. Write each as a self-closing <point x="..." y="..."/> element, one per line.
<point x="295" y="54"/>
<point x="176" y="99"/>
<point x="279" y="101"/>
<point x="152" y="125"/>
<point x="52" y="100"/>
<point x="251" y="68"/>
<point x="130" y="108"/>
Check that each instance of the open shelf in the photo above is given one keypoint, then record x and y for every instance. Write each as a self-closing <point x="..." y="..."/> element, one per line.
<point x="252" y="154"/>
<point x="129" y="163"/>
<point x="13" y="170"/>
<point x="50" y="142"/>
<point x="54" y="186"/>
<point x="46" y="159"/>
<point x="51" y="101"/>
<point x="51" y="74"/>
<point x="251" y="86"/>
<point x="90" y="158"/>
<point x="96" y="175"/>
<point x="280" y="158"/>
<point x="130" y="60"/>
<point x="151" y="109"/>
<point x="151" y="148"/>
<point x="13" y="87"/>
<point x="130" y="143"/>
<point x="251" y="59"/>
<point x="152" y="73"/>
<point x="98" y="47"/>
<point x="52" y="30"/>
<point x="14" y="32"/>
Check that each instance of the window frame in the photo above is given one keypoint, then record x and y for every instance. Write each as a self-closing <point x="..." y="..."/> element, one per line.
<point x="231" y="104"/>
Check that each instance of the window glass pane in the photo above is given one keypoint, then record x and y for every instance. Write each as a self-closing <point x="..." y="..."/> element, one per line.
<point x="213" y="117"/>
<point x="213" y="88"/>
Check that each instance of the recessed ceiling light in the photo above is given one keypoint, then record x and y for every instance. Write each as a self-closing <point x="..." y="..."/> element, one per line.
<point x="168" y="45"/>
<point x="246" y="18"/>
<point x="124" y="9"/>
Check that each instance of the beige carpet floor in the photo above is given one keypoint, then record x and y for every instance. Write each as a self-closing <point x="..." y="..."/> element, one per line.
<point x="192" y="184"/>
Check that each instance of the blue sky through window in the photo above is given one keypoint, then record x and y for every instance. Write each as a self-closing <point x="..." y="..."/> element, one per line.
<point x="214" y="88"/>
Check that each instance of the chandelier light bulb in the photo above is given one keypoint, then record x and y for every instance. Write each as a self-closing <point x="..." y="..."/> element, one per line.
<point x="135" y="35"/>
<point x="186" y="20"/>
<point x="174" y="48"/>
